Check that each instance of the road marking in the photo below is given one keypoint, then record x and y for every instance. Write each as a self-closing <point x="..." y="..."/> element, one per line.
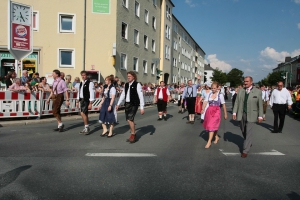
<point x="272" y="153"/>
<point x="120" y="155"/>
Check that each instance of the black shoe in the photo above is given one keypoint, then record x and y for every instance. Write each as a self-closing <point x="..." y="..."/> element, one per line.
<point x="179" y="111"/>
<point x="165" y="118"/>
<point x="110" y="136"/>
<point x="279" y="131"/>
<point x="274" y="132"/>
<point x="56" y="129"/>
<point x="159" y="119"/>
<point x="61" y="128"/>
<point x="202" y="121"/>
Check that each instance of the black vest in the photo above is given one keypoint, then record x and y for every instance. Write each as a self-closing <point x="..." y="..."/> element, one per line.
<point x="86" y="90"/>
<point x="134" y="97"/>
<point x="108" y="92"/>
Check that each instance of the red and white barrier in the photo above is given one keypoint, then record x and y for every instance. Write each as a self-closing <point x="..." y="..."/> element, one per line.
<point x="22" y="104"/>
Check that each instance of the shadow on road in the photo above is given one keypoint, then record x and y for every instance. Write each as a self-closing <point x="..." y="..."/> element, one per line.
<point x="204" y="134"/>
<point x="236" y="139"/>
<point x="9" y="177"/>
<point x="293" y="196"/>
<point x="235" y="123"/>
<point x="73" y="126"/>
<point x="267" y="126"/>
<point x="140" y="132"/>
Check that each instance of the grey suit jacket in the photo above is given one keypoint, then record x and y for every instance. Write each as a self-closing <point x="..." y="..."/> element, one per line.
<point x="254" y="105"/>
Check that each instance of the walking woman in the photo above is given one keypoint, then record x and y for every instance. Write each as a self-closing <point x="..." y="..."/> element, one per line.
<point x="205" y="92"/>
<point x="213" y="113"/>
<point x="107" y="106"/>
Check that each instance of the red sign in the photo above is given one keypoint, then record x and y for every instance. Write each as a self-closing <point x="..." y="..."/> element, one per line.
<point x="20" y="35"/>
<point x="298" y="74"/>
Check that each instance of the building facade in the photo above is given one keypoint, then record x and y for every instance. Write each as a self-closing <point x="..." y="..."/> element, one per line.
<point x="291" y="69"/>
<point x="208" y="70"/>
<point x="106" y="37"/>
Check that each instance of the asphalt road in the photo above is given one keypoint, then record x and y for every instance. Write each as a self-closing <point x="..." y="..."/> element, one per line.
<point x="37" y="163"/>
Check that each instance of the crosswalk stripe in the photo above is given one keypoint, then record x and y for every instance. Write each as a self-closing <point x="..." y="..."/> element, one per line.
<point x="120" y="155"/>
<point x="271" y="153"/>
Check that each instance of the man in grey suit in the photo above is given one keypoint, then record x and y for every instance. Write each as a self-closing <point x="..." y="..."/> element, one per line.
<point x="248" y="109"/>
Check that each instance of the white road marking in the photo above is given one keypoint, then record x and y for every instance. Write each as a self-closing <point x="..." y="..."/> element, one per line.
<point x="272" y="153"/>
<point x="120" y="155"/>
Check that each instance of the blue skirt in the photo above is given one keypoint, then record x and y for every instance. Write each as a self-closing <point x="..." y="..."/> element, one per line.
<point x="107" y="117"/>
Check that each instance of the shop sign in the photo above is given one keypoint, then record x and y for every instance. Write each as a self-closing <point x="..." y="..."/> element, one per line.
<point x="20" y="30"/>
<point x="101" y="6"/>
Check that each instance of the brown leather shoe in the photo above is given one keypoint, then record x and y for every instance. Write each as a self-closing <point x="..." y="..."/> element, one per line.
<point x="188" y="122"/>
<point x="192" y="122"/>
<point x="244" y="155"/>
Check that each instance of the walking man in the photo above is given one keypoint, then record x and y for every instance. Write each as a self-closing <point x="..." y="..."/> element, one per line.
<point x="248" y="109"/>
<point x="57" y="94"/>
<point x="85" y="97"/>
<point x="280" y="97"/>
<point x="190" y="94"/>
<point x="133" y="96"/>
<point x="162" y="98"/>
<point x="265" y="98"/>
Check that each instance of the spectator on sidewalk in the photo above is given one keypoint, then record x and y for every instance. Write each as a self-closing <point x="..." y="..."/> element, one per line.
<point x="24" y="77"/>
<point x="36" y="77"/>
<point x="10" y="78"/>
<point x="69" y="83"/>
<point x="57" y="95"/>
<point x="16" y="86"/>
<point x="43" y="85"/>
<point x="76" y="80"/>
<point x="62" y="76"/>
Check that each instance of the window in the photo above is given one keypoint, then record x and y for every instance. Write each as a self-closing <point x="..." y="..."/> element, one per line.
<point x="66" y="23"/>
<point x="168" y="32"/>
<point x="154" y="2"/>
<point x="153" y="45"/>
<point x="67" y="58"/>
<point x="135" y="64"/>
<point x="147" y="16"/>
<point x="35" y="21"/>
<point x="145" y="66"/>
<point x="168" y="12"/>
<point x="123" y="61"/>
<point x="152" y="68"/>
<point x="154" y="22"/>
<point x="124" y="30"/>
<point x="136" y="36"/>
<point x="146" y="41"/>
<point x="167" y="52"/>
<point x="137" y="9"/>
<point x="125" y="3"/>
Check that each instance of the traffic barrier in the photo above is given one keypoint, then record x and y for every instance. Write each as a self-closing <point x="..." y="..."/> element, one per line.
<point x="24" y="104"/>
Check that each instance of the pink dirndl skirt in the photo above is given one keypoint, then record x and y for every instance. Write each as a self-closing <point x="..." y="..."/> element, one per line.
<point x="212" y="118"/>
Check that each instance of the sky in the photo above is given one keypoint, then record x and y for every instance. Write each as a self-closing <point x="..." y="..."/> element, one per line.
<point x="250" y="35"/>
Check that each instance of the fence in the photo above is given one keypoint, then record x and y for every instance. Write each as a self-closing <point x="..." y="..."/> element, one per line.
<point x="22" y="104"/>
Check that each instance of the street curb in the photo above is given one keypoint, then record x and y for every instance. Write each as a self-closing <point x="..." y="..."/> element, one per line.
<point x="38" y="121"/>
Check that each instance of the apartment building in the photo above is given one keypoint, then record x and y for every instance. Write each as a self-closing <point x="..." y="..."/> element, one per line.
<point x="187" y="56"/>
<point x="106" y="37"/>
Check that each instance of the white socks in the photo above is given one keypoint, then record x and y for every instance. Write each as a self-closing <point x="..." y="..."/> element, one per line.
<point x="60" y="124"/>
<point x="86" y="126"/>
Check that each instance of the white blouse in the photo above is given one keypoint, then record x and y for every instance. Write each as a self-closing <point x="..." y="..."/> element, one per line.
<point x="222" y="100"/>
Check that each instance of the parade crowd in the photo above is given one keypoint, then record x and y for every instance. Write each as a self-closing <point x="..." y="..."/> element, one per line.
<point x="249" y="103"/>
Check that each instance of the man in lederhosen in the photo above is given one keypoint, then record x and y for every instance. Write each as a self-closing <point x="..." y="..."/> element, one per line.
<point x="59" y="87"/>
<point x="134" y="98"/>
<point x="86" y="97"/>
<point x="180" y="92"/>
<point x="162" y="98"/>
<point x="190" y="94"/>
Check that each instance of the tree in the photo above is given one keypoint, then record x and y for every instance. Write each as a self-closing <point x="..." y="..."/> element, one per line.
<point x="219" y="76"/>
<point x="235" y="77"/>
<point x="274" y="77"/>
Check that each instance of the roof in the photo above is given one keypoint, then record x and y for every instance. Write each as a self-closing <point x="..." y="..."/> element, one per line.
<point x="208" y="67"/>
<point x="188" y="33"/>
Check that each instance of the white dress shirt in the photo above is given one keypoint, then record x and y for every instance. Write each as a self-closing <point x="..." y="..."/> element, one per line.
<point x="139" y="91"/>
<point x="91" y="89"/>
<point x="281" y="97"/>
<point x="265" y="95"/>
<point x="160" y="95"/>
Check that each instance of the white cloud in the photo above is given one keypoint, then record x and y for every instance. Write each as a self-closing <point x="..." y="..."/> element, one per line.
<point x="216" y="63"/>
<point x="190" y="3"/>
<point x="273" y="54"/>
<point x="268" y="66"/>
<point x="278" y="56"/>
<point x="298" y="26"/>
<point x="249" y="70"/>
<point x="296" y="1"/>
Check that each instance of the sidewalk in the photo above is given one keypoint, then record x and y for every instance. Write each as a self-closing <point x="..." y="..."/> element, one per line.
<point x="49" y="119"/>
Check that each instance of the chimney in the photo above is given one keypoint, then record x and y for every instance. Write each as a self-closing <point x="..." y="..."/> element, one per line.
<point x="288" y="59"/>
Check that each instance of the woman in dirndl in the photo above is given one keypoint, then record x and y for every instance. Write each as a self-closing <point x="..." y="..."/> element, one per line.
<point x="198" y="106"/>
<point x="212" y="118"/>
<point x="107" y="106"/>
<point x="205" y="92"/>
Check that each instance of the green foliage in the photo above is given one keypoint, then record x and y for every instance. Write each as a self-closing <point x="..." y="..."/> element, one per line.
<point x="272" y="79"/>
<point x="219" y="76"/>
<point x="235" y="77"/>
